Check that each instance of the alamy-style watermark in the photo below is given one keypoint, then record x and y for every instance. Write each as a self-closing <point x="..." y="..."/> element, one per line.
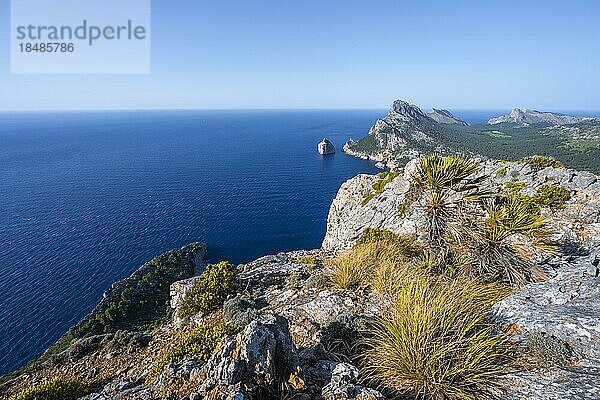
<point x="80" y="36"/>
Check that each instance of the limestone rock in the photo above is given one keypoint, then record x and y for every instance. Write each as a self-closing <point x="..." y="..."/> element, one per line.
<point x="325" y="147"/>
<point x="526" y="116"/>
<point x="343" y="385"/>
<point x="445" y="117"/>
<point x="255" y="361"/>
<point x="566" y="306"/>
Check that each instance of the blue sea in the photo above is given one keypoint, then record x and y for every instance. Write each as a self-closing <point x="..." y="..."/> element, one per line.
<point x="87" y="197"/>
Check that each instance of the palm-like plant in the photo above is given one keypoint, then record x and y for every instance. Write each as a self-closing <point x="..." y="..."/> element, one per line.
<point x="490" y="241"/>
<point x="446" y="183"/>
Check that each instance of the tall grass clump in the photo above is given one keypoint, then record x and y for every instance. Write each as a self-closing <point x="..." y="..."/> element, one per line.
<point x="56" y="388"/>
<point x="358" y="266"/>
<point x="434" y="341"/>
<point x="538" y="162"/>
<point x="210" y="289"/>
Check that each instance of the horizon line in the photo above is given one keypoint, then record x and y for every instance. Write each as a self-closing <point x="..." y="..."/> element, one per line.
<point x="57" y="110"/>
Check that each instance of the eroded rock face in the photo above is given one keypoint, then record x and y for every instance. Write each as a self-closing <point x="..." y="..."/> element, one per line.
<point x="566" y="306"/>
<point x="254" y="362"/>
<point x="343" y="385"/>
<point x="349" y="216"/>
<point x="325" y="147"/>
<point x="526" y="116"/>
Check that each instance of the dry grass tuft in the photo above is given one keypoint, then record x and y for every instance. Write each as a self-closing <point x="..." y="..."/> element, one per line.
<point x="368" y="261"/>
<point x="434" y="342"/>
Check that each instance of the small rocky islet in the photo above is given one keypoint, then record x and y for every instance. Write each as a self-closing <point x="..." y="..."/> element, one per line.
<point x="320" y="324"/>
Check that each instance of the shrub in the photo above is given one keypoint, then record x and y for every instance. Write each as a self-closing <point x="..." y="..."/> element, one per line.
<point x="210" y="290"/>
<point x="311" y="261"/>
<point x="341" y="334"/>
<point x="379" y="186"/>
<point x="434" y="342"/>
<point x="548" y="350"/>
<point x="56" y="388"/>
<point x="446" y="183"/>
<point x="501" y="171"/>
<point x="198" y="344"/>
<point x="239" y="311"/>
<point x="488" y="241"/>
<point x="540" y="162"/>
<point x="552" y="196"/>
<point x="405" y="244"/>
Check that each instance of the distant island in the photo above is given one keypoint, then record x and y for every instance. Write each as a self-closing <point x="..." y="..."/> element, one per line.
<point x="406" y="131"/>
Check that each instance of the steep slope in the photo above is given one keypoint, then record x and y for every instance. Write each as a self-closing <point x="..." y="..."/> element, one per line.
<point x="405" y="132"/>
<point x="445" y="117"/>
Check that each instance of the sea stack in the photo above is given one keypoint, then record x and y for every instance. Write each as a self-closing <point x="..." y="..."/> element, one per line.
<point x="325" y="147"/>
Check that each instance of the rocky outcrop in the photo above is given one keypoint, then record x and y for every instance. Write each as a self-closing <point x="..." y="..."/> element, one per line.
<point x="526" y="116"/>
<point x="325" y="147"/>
<point x="404" y="133"/>
<point x="349" y="216"/>
<point x="564" y="307"/>
<point x="445" y="117"/>
<point x="254" y="363"/>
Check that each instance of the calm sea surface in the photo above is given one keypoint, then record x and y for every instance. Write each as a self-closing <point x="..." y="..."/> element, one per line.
<point x="87" y="197"/>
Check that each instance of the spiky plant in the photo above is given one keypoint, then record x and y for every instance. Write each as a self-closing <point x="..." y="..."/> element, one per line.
<point x="446" y="183"/>
<point x="434" y="342"/>
<point x="500" y="244"/>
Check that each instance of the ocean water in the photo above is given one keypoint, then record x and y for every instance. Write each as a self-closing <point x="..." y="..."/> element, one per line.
<point x="87" y="197"/>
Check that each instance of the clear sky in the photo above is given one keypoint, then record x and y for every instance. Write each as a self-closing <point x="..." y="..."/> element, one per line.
<point x="342" y="54"/>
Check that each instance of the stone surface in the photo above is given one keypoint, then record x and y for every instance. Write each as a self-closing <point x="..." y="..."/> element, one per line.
<point x="325" y="147"/>
<point x="526" y="116"/>
<point x="255" y="361"/>
<point x="343" y="385"/>
<point x="348" y="216"/>
<point x="565" y="306"/>
<point x="445" y="117"/>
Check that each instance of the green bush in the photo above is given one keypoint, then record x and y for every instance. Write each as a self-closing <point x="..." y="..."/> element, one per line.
<point x="210" y="290"/>
<point x="552" y="196"/>
<point x="198" y="344"/>
<point x="56" y="388"/>
<point x="501" y="171"/>
<point x="240" y="311"/>
<point x="311" y="261"/>
<point x="371" y="235"/>
<point x="540" y="162"/>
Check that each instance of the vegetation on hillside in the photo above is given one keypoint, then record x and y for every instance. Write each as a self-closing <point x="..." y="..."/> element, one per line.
<point x="210" y="290"/>
<point x="137" y="302"/>
<point x="576" y="145"/>
<point x="384" y="179"/>
<point x="56" y="388"/>
<point x="198" y="344"/>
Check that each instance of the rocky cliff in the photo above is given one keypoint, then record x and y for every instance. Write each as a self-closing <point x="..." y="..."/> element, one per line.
<point x="405" y="132"/>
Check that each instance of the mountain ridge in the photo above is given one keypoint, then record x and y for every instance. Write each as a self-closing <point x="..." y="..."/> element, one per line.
<point x="406" y="131"/>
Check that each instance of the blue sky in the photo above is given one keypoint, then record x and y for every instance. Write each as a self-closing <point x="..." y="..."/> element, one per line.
<point x="342" y="54"/>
